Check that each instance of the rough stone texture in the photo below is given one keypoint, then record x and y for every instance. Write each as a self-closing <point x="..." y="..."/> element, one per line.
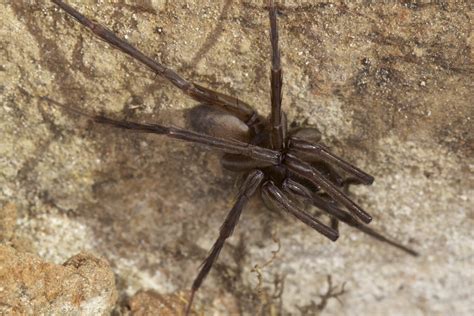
<point x="7" y="222"/>
<point x="151" y="303"/>
<point x="389" y="86"/>
<point x="83" y="285"/>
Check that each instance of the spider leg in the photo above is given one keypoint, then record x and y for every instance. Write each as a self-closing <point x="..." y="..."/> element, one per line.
<point x="277" y="120"/>
<point x="270" y="157"/>
<point x="306" y="171"/>
<point x="239" y="108"/>
<point x="337" y="214"/>
<point x="335" y="223"/>
<point x="239" y="163"/>
<point x="293" y="188"/>
<point x="250" y="185"/>
<point x="347" y="218"/>
<point x="272" y="193"/>
<point x="329" y="172"/>
<point x="320" y="152"/>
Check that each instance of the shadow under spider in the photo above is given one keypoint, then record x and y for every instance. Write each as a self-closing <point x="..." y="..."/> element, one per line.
<point x="212" y="37"/>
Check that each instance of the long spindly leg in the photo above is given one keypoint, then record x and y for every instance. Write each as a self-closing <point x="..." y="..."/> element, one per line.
<point x="337" y="214"/>
<point x="231" y="104"/>
<point x="303" y="169"/>
<point x="347" y="218"/>
<point x="265" y="155"/>
<point x="276" y="196"/>
<point x="250" y="185"/>
<point x="277" y="120"/>
<point x="320" y="152"/>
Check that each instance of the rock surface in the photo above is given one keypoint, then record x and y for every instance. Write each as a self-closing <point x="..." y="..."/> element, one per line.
<point x="83" y="285"/>
<point x="145" y="303"/>
<point x="390" y="86"/>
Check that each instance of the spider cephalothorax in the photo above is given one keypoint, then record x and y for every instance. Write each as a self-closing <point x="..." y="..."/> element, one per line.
<point x="283" y="166"/>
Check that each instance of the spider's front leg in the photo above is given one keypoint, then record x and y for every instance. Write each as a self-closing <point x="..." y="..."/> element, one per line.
<point x="336" y="214"/>
<point x="272" y="194"/>
<point x="302" y="169"/>
<point x="302" y="147"/>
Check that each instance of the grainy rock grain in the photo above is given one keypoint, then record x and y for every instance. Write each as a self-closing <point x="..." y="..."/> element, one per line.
<point x="83" y="285"/>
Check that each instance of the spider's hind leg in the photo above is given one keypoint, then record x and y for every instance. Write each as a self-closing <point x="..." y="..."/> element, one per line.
<point x="279" y="199"/>
<point x="337" y="215"/>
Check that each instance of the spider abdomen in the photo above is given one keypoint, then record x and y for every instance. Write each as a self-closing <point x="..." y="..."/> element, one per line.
<point x="208" y="120"/>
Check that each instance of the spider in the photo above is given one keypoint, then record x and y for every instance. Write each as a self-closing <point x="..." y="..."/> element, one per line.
<point x="284" y="166"/>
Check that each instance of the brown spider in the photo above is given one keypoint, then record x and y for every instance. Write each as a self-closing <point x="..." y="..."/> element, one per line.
<point x="284" y="166"/>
